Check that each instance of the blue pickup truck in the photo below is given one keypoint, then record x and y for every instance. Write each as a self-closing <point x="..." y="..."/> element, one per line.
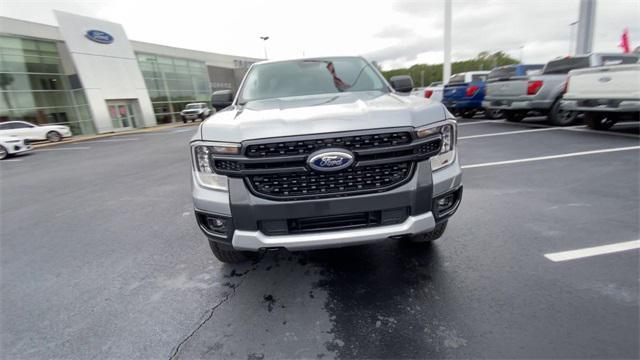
<point x="464" y="93"/>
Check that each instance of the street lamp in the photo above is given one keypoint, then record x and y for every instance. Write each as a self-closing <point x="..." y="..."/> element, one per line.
<point x="264" y="42"/>
<point x="521" y="54"/>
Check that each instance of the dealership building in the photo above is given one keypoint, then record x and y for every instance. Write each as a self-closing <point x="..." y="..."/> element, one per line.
<point x="86" y="73"/>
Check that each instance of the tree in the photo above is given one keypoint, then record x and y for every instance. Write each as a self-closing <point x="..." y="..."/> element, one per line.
<point x="483" y="61"/>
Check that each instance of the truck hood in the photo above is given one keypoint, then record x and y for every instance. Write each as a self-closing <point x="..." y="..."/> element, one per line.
<point x="303" y="115"/>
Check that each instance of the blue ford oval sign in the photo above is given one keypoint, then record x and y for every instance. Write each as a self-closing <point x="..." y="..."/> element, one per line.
<point x="99" y="36"/>
<point x="330" y="160"/>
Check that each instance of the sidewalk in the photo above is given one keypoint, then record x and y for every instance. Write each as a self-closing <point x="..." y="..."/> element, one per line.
<point x="81" y="138"/>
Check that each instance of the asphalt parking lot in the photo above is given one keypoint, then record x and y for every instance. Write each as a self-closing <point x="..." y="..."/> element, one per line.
<point x="101" y="258"/>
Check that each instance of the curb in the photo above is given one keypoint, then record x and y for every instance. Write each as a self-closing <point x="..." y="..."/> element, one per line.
<point x="73" y="140"/>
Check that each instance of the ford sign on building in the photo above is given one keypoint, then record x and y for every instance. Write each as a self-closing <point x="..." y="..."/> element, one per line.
<point x="99" y="36"/>
<point x="86" y="74"/>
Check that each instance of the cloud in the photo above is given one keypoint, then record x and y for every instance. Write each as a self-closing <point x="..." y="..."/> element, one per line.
<point x="394" y="32"/>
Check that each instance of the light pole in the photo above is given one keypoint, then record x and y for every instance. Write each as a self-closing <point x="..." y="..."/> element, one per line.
<point x="572" y="27"/>
<point x="521" y="54"/>
<point x="264" y="44"/>
<point x="446" y="65"/>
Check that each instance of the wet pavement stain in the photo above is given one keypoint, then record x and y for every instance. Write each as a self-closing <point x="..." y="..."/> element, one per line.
<point x="270" y="301"/>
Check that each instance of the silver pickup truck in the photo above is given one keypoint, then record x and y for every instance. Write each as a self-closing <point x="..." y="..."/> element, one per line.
<point x="540" y="94"/>
<point x="605" y="94"/>
<point x="323" y="152"/>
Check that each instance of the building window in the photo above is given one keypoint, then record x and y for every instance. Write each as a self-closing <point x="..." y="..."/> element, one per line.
<point x="172" y="83"/>
<point x="34" y="88"/>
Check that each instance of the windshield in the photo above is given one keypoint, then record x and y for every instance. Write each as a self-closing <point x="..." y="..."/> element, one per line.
<point x="193" y="106"/>
<point x="309" y="77"/>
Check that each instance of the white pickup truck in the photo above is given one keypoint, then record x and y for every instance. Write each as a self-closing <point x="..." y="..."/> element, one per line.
<point x="605" y="94"/>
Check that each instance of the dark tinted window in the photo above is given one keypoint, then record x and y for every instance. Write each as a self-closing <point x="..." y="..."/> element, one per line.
<point x="19" y="125"/>
<point x="4" y="126"/>
<point x="503" y="72"/>
<point x="563" y="66"/>
<point x="309" y="77"/>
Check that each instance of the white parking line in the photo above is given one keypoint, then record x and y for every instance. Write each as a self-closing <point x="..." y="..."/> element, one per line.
<point x="582" y="153"/>
<point x="508" y="133"/>
<point x="593" y="251"/>
<point x="10" y="160"/>
<point x="65" y="148"/>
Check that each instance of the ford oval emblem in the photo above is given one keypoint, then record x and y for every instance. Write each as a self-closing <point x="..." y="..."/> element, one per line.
<point x="99" y="36"/>
<point x="330" y="160"/>
<point x="604" y="79"/>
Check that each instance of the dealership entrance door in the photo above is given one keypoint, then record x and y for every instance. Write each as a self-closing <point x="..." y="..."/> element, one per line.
<point x="122" y="113"/>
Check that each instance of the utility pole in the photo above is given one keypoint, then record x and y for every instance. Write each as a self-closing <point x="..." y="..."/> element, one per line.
<point x="422" y="78"/>
<point x="572" y="36"/>
<point x="264" y="44"/>
<point x="586" y="24"/>
<point x="446" y="66"/>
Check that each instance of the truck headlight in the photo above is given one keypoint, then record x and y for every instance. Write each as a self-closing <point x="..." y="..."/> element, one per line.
<point x="448" y="132"/>
<point x="202" y="163"/>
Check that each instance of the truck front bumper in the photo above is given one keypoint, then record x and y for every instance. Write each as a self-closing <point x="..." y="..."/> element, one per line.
<point x="247" y="216"/>
<point x="596" y="105"/>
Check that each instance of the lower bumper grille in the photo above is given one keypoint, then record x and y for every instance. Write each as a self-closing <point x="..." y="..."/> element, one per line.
<point x="334" y="222"/>
<point x="351" y="181"/>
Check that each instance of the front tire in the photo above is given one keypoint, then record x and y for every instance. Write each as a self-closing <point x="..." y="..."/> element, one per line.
<point x="598" y="121"/>
<point x="3" y="153"/>
<point x="429" y="236"/>
<point x="514" y="116"/>
<point x="559" y="117"/>
<point x="54" y="136"/>
<point x="227" y="254"/>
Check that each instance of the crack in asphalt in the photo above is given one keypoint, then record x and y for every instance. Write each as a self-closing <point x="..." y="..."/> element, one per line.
<point x="209" y="317"/>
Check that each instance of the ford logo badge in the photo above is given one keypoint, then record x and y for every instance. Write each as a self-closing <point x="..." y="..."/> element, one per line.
<point x="99" y="36"/>
<point x="604" y="79"/>
<point x="330" y="160"/>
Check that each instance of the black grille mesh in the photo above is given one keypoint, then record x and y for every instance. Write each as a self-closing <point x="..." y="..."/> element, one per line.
<point x="350" y="181"/>
<point x="306" y="147"/>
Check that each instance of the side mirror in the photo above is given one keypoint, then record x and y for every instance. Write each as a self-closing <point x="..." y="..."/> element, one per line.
<point x="402" y="83"/>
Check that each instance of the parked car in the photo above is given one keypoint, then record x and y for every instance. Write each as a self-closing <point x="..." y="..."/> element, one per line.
<point x="464" y="93"/>
<point x="319" y="153"/>
<point x="195" y="111"/>
<point x="542" y="93"/>
<point x="506" y="73"/>
<point x="605" y="94"/>
<point x="433" y="91"/>
<point x="32" y="132"/>
<point x="221" y="99"/>
<point x="11" y="145"/>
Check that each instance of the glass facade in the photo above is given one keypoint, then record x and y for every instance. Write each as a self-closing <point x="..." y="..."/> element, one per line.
<point x="34" y="88"/>
<point x="173" y="83"/>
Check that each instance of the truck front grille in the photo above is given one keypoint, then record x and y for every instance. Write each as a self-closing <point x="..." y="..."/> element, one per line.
<point x="306" y="147"/>
<point x="351" y="181"/>
<point x="277" y="169"/>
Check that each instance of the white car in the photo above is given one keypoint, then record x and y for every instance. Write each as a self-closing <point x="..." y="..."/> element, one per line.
<point x="31" y="132"/>
<point x="11" y="145"/>
<point x="195" y="111"/>
<point x="433" y="91"/>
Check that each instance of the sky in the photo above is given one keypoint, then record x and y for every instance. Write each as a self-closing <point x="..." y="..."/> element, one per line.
<point x="395" y="33"/>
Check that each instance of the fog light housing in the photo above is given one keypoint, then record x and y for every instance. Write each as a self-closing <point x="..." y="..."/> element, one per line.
<point x="447" y="204"/>
<point x="216" y="227"/>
